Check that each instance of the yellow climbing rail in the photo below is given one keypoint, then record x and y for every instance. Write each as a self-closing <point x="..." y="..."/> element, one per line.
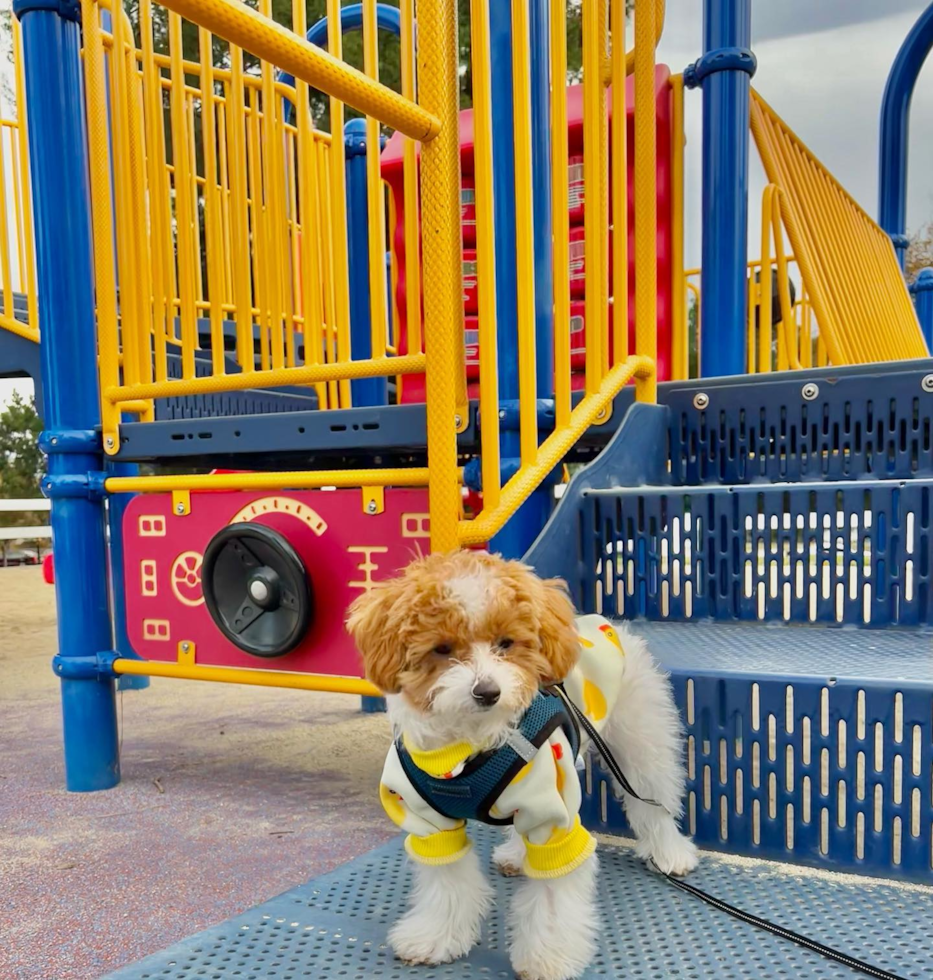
<point x="18" y="313"/>
<point x="847" y="263"/>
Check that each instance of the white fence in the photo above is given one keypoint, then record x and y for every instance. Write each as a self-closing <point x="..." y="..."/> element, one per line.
<point x="32" y="532"/>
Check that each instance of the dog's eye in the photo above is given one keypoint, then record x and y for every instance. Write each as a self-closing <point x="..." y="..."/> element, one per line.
<point x="443" y="649"/>
<point x="504" y="643"/>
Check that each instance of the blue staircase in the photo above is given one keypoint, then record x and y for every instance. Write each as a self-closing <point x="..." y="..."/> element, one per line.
<point x="779" y="562"/>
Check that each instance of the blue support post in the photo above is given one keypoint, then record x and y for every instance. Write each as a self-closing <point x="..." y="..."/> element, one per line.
<point x="895" y="120"/>
<point x="58" y="166"/>
<point x="514" y="539"/>
<point x="364" y="391"/>
<point x="922" y="291"/>
<point x="724" y="71"/>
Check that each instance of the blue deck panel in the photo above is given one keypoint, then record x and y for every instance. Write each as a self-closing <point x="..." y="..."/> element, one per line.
<point x="336" y="926"/>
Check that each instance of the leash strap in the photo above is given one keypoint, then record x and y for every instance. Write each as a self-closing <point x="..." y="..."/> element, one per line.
<point x="717" y="903"/>
<point x="602" y="748"/>
<point x="780" y="931"/>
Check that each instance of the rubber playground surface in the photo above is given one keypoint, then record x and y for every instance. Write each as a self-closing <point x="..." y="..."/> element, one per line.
<point x="230" y="796"/>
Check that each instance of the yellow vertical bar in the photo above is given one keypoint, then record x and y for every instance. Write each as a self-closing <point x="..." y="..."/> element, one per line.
<point x="646" y="262"/>
<point x="559" y="213"/>
<point x="239" y="211"/>
<point x="18" y="229"/>
<point x="765" y="301"/>
<point x="679" y="352"/>
<point x="155" y="179"/>
<point x="329" y="297"/>
<point x="256" y="224"/>
<point x="196" y="197"/>
<point x="309" y="214"/>
<point x="410" y="186"/>
<point x="127" y="274"/>
<point x="751" y="307"/>
<point x="593" y="107"/>
<point x="224" y="177"/>
<point x="603" y="272"/>
<point x="273" y="183"/>
<point x="102" y="219"/>
<point x="23" y="147"/>
<point x="438" y="57"/>
<point x="337" y="202"/>
<point x="524" y="234"/>
<point x="620" y="192"/>
<point x="141" y="232"/>
<point x="485" y="253"/>
<point x="292" y="282"/>
<point x="374" y="193"/>
<point x="5" y="267"/>
<point x="187" y="257"/>
<point x="213" y="231"/>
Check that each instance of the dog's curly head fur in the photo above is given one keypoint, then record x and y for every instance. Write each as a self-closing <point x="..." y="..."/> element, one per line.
<point x="454" y="624"/>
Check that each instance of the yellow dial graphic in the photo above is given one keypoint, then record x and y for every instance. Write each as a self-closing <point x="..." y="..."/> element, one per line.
<point x="281" y="505"/>
<point x="186" y="578"/>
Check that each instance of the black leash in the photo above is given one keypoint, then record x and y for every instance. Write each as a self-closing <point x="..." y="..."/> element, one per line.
<point x="717" y="903"/>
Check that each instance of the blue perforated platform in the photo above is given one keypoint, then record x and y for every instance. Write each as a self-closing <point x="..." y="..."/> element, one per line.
<point x="335" y="927"/>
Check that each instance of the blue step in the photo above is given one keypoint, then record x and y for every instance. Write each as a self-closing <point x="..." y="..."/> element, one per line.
<point x="335" y="926"/>
<point x="804" y="745"/>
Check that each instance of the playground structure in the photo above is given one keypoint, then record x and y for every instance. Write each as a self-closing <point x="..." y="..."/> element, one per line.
<point x="360" y="355"/>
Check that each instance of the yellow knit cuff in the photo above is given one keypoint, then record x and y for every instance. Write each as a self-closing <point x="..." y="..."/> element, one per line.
<point x="444" y="847"/>
<point x="563" y="853"/>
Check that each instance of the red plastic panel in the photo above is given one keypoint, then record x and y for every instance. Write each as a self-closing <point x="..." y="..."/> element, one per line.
<point x="344" y="550"/>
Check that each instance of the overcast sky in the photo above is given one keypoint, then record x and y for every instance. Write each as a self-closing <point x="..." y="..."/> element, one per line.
<point x="822" y="65"/>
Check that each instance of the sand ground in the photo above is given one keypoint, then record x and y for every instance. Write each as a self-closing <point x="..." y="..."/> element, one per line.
<point x="230" y="795"/>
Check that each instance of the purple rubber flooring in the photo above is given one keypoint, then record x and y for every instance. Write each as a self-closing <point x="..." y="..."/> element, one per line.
<point x="229" y="797"/>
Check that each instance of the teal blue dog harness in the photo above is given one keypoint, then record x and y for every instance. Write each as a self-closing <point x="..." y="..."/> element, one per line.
<point x="470" y="794"/>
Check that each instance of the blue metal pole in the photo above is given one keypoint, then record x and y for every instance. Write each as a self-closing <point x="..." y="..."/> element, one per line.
<point x="724" y="71"/>
<point x="364" y="391"/>
<point x="58" y="165"/>
<point x="895" y="121"/>
<point x="922" y="290"/>
<point x="515" y="538"/>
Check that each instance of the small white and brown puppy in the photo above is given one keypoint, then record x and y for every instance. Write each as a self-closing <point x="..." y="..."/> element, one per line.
<point x="465" y="645"/>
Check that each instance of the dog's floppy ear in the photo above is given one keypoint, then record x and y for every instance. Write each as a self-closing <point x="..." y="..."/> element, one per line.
<point x="560" y="642"/>
<point x="376" y="634"/>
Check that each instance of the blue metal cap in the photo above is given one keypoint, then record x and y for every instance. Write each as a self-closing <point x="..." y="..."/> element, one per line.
<point x="68" y="9"/>
<point x="924" y="281"/>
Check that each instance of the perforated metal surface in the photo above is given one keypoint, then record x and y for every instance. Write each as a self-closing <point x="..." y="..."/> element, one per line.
<point x="834" y="553"/>
<point x="335" y="927"/>
<point x="804" y="745"/>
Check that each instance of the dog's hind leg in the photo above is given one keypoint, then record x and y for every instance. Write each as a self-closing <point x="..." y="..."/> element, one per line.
<point x="509" y="856"/>
<point x="646" y="736"/>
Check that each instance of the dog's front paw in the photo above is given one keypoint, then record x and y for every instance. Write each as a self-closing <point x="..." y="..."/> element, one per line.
<point x="549" y="964"/>
<point x="417" y="940"/>
<point x="674" y="854"/>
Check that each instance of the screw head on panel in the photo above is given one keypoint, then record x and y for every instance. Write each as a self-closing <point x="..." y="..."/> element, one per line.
<point x="810" y="391"/>
<point x="371" y="507"/>
<point x="185" y="646"/>
<point x="108" y="442"/>
<point x="700" y="400"/>
<point x="457" y="421"/>
<point x="927" y="383"/>
<point x="179" y="508"/>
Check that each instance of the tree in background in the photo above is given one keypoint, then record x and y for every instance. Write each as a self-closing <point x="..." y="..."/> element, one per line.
<point x="22" y="465"/>
<point x="919" y="252"/>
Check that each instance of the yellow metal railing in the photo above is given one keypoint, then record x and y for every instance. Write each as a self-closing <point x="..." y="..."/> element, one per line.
<point x="230" y="217"/>
<point x="17" y="255"/>
<point x="846" y="261"/>
<point x="605" y="64"/>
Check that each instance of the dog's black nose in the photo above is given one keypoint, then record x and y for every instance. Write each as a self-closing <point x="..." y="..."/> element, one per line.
<point x="486" y="693"/>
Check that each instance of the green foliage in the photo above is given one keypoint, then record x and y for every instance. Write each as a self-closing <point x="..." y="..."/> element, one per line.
<point x="693" y="338"/>
<point x="21" y="462"/>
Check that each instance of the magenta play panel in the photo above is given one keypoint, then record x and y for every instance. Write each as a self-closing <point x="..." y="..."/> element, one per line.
<point x="344" y="549"/>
